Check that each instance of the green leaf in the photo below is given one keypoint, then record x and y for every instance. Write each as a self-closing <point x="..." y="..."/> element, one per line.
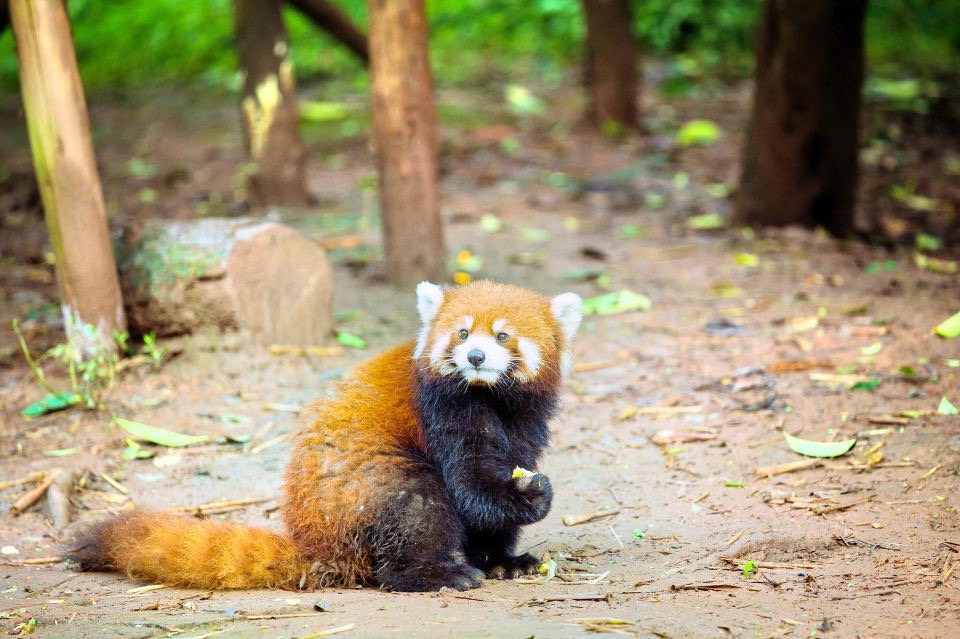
<point x="698" y="133"/>
<point x="51" y="404"/>
<point x="950" y="327"/>
<point x="946" y="407"/>
<point x="622" y="301"/>
<point x="873" y="349"/>
<point x="135" y="451"/>
<point x="953" y="363"/>
<point x="927" y="242"/>
<point x="159" y="436"/>
<point x="316" y="111"/>
<point x="734" y="484"/>
<point x="748" y="567"/>
<point x="350" y="340"/>
<point x="62" y="452"/>
<point x="490" y="223"/>
<point x="868" y="385"/>
<point x="747" y="259"/>
<point x="706" y="222"/>
<point x="522" y="102"/>
<point x="812" y="448"/>
<point x="639" y="534"/>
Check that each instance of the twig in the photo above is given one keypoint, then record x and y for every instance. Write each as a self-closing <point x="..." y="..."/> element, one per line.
<point x="771" y="565"/>
<point x="259" y="448"/>
<point x="331" y="631"/>
<point x="35" y="561"/>
<point x="931" y="471"/>
<point x="616" y="536"/>
<point x="869" y="594"/>
<point x="316" y="351"/>
<point x="32" y="496"/>
<point x="734" y="539"/>
<point x="575" y="520"/>
<point x="586" y="367"/>
<point x="669" y="410"/>
<point x="834" y="508"/>
<point x="144" y="589"/>
<point x="32" y="478"/>
<point x="216" y="507"/>
<point x="113" y="482"/>
<point x="712" y="585"/>
<point x="780" y="469"/>
<point x="593" y="596"/>
<point x="280" y="615"/>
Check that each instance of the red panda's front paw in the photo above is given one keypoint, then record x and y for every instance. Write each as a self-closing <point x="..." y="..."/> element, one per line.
<point x="536" y="493"/>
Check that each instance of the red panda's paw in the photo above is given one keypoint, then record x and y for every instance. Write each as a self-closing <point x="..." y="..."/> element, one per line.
<point x="457" y="575"/>
<point x="536" y="495"/>
<point x="513" y="567"/>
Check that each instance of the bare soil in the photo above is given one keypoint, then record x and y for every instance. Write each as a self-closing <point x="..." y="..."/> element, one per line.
<point x="727" y="352"/>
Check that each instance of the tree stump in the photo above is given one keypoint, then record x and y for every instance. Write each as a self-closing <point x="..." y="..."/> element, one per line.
<point x="237" y="273"/>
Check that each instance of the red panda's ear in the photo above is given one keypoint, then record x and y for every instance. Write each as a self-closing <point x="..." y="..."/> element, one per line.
<point x="429" y="299"/>
<point x="567" y="309"/>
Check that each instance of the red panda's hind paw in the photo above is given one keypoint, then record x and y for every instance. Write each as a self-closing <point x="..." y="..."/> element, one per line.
<point x="457" y="575"/>
<point x="513" y="567"/>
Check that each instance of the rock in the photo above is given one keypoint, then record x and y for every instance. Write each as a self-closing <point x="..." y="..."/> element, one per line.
<point x="230" y="273"/>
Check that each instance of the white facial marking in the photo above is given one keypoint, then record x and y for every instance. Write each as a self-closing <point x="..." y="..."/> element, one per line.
<point x="495" y="362"/>
<point x="530" y="353"/>
<point x="439" y="348"/>
<point x="499" y="325"/>
<point x="429" y="299"/>
<point x="467" y="322"/>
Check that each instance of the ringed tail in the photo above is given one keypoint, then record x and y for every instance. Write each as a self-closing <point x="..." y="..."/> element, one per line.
<point x="181" y="551"/>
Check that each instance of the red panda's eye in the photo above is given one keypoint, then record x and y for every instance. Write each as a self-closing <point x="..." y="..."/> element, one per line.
<point x="502" y="337"/>
<point x="464" y="334"/>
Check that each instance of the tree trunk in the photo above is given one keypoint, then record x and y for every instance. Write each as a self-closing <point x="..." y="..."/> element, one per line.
<point x="800" y="160"/>
<point x="405" y="130"/>
<point x="611" y="70"/>
<point x="67" y="174"/>
<point x="334" y="21"/>
<point x="269" y="105"/>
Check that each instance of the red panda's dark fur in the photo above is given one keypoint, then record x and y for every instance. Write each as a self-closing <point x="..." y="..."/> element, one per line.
<point x="402" y="481"/>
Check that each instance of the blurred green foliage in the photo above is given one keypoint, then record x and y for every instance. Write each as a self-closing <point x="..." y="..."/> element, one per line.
<point x="126" y="44"/>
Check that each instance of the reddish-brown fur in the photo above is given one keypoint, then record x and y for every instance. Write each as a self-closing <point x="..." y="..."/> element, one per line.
<point x="349" y="455"/>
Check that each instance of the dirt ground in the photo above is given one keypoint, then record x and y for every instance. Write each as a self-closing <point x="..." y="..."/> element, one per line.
<point x="733" y="350"/>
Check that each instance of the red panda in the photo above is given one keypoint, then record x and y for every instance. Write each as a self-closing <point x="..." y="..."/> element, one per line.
<point x="404" y="480"/>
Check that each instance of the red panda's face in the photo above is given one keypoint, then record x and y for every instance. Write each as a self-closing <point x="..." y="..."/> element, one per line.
<point x="490" y="333"/>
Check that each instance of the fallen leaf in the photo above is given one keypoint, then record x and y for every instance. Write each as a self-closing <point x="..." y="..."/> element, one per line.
<point x="350" y="340"/>
<point x="706" y="222"/>
<point x="947" y="407"/>
<point x="159" y="436"/>
<point x="51" y="404"/>
<point x="622" y="301"/>
<point x="668" y="436"/>
<point x="950" y="327"/>
<point x="812" y="448"/>
<point x="490" y="223"/>
<point x="698" y="133"/>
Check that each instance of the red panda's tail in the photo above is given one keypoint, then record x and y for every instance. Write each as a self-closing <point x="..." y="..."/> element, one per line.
<point x="181" y="551"/>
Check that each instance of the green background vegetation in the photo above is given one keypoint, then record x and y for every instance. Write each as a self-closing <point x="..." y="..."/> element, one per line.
<point x="127" y="44"/>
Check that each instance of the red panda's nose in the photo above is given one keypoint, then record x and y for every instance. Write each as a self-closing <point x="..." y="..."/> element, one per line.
<point x="476" y="357"/>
